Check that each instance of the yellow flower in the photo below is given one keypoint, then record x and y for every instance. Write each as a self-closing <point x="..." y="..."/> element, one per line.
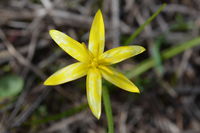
<point x="95" y="63"/>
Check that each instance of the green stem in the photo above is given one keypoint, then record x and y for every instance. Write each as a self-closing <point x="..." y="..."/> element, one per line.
<point x="108" y="109"/>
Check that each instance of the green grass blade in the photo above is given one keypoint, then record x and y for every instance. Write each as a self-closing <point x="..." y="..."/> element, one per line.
<point x="166" y="54"/>
<point x="157" y="56"/>
<point x="140" y="29"/>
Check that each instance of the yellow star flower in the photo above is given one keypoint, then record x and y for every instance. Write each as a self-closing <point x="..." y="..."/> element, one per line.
<point x="95" y="63"/>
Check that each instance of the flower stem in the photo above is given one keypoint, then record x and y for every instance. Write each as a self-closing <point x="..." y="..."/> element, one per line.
<point x="108" y="109"/>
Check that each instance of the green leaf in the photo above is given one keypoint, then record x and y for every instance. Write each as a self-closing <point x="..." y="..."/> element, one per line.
<point x="10" y="85"/>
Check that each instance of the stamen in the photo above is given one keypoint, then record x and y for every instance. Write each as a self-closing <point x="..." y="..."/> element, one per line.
<point x="94" y="62"/>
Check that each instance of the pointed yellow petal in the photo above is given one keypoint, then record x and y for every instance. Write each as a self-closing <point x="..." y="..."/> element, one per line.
<point x="97" y="35"/>
<point x="71" y="46"/>
<point x="118" y="79"/>
<point x="119" y="54"/>
<point x="68" y="73"/>
<point x="94" y="90"/>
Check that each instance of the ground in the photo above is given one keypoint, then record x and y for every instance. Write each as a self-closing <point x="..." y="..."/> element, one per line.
<point x="169" y="101"/>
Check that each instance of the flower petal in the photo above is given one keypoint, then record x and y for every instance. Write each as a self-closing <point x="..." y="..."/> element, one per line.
<point x="68" y="73"/>
<point x="118" y="79"/>
<point x="119" y="54"/>
<point x="71" y="46"/>
<point x="97" y="35"/>
<point x="94" y="91"/>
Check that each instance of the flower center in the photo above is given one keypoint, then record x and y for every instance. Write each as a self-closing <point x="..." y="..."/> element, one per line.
<point x="94" y="62"/>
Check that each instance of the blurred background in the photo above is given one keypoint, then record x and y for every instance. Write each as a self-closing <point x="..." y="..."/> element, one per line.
<point x="169" y="81"/>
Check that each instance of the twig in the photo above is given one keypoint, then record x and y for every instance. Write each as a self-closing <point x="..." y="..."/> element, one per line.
<point x="115" y="22"/>
<point x="32" y="46"/>
<point x="19" y="57"/>
<point x="24" y="115"/>
<point x="60" y="125"/>
<point x="171" y="8"/>
<point x="184" y="63"/>
<point x="60" y="18"/>
<point x="6" y="56"/>
<point x="20" y="100"/>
